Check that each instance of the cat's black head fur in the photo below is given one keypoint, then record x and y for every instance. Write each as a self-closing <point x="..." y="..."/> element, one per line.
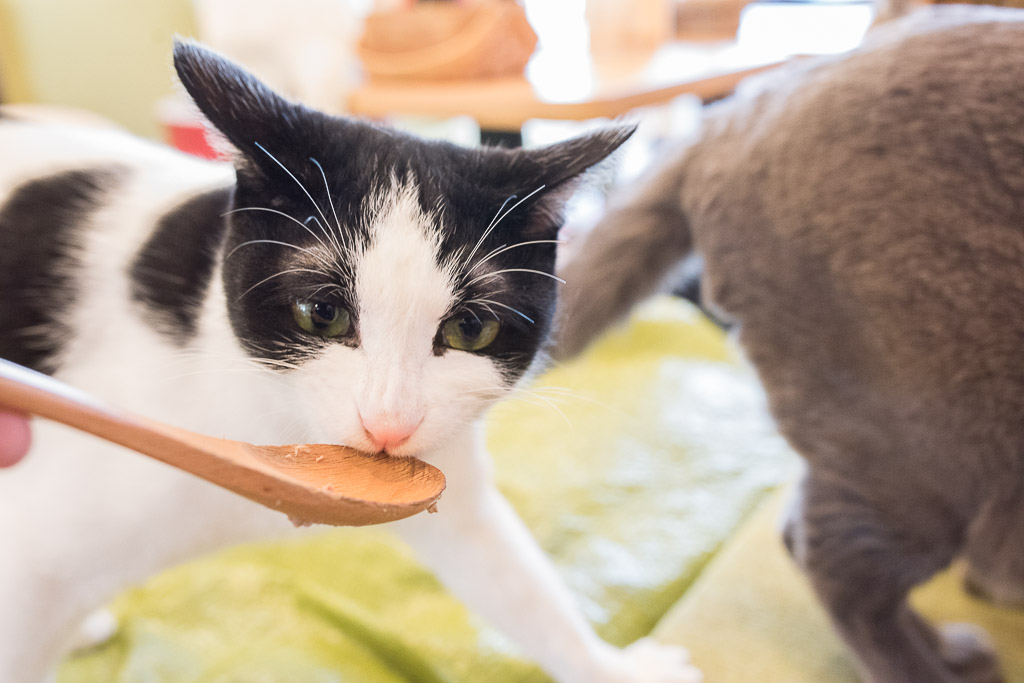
<point x="326" y="171"/>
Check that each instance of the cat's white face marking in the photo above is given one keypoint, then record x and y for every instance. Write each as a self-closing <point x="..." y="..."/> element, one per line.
<point x="393" y="390"/>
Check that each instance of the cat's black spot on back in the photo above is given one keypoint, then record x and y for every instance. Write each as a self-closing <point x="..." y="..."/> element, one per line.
<point x="171" y="273"/>
<point x="41" y="225"/>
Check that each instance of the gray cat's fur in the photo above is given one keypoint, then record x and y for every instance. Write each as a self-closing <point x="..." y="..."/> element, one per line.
<point x="861" y="218"/>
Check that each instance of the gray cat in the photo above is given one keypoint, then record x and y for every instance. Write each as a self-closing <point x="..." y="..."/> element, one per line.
<point x="861" y="220"/>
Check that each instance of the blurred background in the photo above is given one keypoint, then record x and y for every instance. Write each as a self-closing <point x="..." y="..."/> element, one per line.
<point x="445" y="69"/>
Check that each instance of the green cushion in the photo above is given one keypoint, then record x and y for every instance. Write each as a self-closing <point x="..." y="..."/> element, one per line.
<point x="632" y="466"/>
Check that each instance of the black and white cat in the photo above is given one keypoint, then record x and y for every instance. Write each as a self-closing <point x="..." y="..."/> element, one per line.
<point x="341" y="283"/>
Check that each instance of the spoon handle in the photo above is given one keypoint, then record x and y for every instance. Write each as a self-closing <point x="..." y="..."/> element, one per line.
<point x="27" y="391"/>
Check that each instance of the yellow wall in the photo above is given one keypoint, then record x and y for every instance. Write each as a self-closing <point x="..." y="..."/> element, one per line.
<point x="109" y="56"/>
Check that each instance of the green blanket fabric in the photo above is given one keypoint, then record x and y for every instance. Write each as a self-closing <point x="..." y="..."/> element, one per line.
<point x="752" y="616"/>
<point x="632" y="466"/>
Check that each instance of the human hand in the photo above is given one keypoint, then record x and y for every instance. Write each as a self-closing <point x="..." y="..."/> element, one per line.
<point x="15" y="438"/>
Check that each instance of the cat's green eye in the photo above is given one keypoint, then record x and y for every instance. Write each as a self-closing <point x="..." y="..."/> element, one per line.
<point x="324" y="319"/>
<point x="469" y="333"/>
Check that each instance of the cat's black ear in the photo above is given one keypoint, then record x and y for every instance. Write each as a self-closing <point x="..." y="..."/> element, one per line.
<point x="566" y="161"/>
<point x="564" y="165"/>
<point x="247" y="112"/>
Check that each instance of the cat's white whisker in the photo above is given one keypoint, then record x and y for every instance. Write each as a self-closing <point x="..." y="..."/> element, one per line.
<point x="506" y="306"/>
<point x="174" y="377"/>
<point x="328" y="233"/>
<point x="574" y="395"/>
<point x="488" y="307"/>
<point x="277" y="242"/>
<point x="276" y="362"/>
<point x="279" y="213"/>
<point x="327" y="189"/>
<point x="489" y="255"/>
<point x="499" y="217"/>
<point x="496" y="273"/>
<point x="503" y="248"/>
<point x="523" y="395"/>
<point x="330" y="286"/>
<point x="297" y="181"/>
<point x="254" y="363"/>
<point x="516" y="206"/>
<point x="491" y="224"/>
<point x="336" y="250"/>
<point x="279" y="274"/>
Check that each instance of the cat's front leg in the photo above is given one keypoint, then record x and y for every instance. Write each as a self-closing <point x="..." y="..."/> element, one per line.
<point x="483" y="553"/>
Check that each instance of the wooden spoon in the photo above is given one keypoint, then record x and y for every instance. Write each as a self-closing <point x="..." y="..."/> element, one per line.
<point x="310" y="483"/>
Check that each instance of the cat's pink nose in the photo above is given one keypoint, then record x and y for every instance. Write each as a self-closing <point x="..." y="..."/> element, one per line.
<point x="388" y="433"/>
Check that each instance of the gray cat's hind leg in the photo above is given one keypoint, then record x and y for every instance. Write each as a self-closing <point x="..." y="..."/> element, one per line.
<point x="995" y="550"/>
<point x="863" y="560"/>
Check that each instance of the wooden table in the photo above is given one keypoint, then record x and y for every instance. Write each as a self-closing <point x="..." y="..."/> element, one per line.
<point x="608" y="86"/>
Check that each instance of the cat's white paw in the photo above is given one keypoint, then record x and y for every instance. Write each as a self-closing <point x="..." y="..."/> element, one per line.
<point x="96" y="629"/>
<point x="648" y="661"/>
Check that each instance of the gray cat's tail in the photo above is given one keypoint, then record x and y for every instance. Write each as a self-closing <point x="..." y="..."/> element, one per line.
<point x="635" y="247"/>
<point x="638" y="242"/>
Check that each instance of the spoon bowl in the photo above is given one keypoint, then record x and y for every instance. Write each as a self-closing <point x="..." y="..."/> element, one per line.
<point x="311" y="483"/>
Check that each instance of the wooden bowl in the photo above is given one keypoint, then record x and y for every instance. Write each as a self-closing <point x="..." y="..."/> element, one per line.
<point x="448" y="41"/>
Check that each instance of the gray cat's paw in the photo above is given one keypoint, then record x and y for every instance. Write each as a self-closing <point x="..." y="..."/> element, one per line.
<point x="967" y="650"/>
